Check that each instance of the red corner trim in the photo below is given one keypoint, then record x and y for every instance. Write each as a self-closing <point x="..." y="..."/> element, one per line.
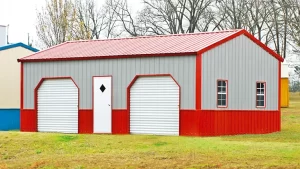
<point x="110" y="98"/>
<point x="39" y="85"/>
<point x="147" y="75"/>
<point x="226" y="94"/>
<point x="198" y="81"/>
<point x="265" y="94"/>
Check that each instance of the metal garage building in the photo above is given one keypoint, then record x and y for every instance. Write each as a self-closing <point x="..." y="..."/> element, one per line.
<point x="202" y="84"/>
<point x="10" y="84"/>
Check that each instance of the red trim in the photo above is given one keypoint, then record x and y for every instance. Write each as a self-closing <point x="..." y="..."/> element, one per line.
<point x="198" y="81"/>
<point x="147" y="75"/>
<point x="226" y="81"/>
<point x="111" y="101"/>
<point x="47" y="78"/>
<point x="28" y="120"/>
<point x="251" y="37"/>
<point x="262" y="45"/>
<point x="279" y="86"/>
<point x="265" y="94"/>
<point x="85" y="121"/>
<point x="108" y="57"/>
<point x="120" y="120"/>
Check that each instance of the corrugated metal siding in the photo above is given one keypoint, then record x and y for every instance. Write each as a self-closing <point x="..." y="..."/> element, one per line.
<point x="58" y="106"/>
<point x="154" y="106"/>
<point x="123" y="71"/>
<point x="242" y="63"/>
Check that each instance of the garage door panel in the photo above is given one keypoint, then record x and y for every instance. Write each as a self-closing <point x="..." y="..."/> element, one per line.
<point x="154" y="106"/>
<point x="58" y="106"/>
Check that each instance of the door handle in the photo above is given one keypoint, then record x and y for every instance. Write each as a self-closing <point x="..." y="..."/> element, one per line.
<point x="108" y="104"/>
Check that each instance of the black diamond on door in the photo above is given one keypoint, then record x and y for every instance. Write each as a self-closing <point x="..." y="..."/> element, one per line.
<point x="102" y="88"/>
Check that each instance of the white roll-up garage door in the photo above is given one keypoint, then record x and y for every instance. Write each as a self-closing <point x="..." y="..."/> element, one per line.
<point x="154" y="106"/>
<point x="58" y="106"/>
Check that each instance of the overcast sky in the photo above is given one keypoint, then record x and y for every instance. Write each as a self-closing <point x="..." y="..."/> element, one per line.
<point x="21" y="17"/>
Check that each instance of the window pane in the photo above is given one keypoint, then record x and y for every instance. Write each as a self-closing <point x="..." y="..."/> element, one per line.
<point x="219" y="83"/>
<point x="258" y="91"/>
<point x="219" y="96"/>
<point x="260" y="98"/>
<point x="223" y="102"/>
<point x="219" y="102"/>
<point x="219" y="89"/>
<point x="223" y="83"/>
<point x="223" y="96"/>
<point x="257" y="85"/>
<point x="224" y="89"/>
<point x="260" y="103"/>
<point x="262" y="85"/>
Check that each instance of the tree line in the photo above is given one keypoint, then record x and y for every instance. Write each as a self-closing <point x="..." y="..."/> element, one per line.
<point x="274" y="22"/>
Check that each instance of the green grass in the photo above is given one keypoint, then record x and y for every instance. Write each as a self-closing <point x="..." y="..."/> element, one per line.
<point x="49" y="150"/>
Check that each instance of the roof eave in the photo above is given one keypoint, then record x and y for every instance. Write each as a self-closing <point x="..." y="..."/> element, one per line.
<point x="10" y="46"/>
<point x="108" y="57"/>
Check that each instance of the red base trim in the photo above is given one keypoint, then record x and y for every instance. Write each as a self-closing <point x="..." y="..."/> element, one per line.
<point x="120" y="121"/>
<point x="28" y="120"/>
<point x="232" y="122"/>
<point x="192" y="122"/>
<point x="85" y="121"/>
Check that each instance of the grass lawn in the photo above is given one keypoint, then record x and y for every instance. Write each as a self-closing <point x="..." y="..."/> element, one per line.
<point x="41" y="150"/>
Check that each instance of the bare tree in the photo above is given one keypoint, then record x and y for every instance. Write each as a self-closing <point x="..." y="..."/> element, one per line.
<point x="257" y="16"/>
<point x="277" y="25"/>
<point x="232" y="14"/>
<point x="173" y="17"/>
<point x="165" y="16"/>
<point x="294" y="24"/>
<point x="54" y="22"/>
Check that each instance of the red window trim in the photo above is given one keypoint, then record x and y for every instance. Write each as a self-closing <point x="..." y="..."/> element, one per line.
<point x="226" y="93"/>
<point x="265" y="94"/>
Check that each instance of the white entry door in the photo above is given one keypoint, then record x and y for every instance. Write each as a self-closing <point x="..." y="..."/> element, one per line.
<point x="102" y="104"/>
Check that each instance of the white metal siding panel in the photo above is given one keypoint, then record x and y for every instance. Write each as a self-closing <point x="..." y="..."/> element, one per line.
<point x="58" y="106"/>
<point x="182" y="68"/>
<point x="154" y="106"/>
<point x="242" y="63"/>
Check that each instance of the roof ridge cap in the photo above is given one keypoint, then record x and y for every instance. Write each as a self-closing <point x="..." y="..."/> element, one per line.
<point x="157" y="36"/>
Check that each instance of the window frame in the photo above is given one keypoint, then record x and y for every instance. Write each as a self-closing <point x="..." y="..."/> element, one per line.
<point x="226" y="92"/>
<point x="264" y="94"/>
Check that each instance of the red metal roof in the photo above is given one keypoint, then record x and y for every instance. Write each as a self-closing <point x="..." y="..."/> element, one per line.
<point x="165" y="45"/>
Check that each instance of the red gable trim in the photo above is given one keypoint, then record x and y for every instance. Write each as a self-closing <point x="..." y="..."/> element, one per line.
<point x="238" y="33"/>
<point x="251" y="37"/>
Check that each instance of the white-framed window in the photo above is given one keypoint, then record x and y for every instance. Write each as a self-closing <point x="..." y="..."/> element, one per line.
<point x="222" y="93"/>
<point x="260" y="94"/>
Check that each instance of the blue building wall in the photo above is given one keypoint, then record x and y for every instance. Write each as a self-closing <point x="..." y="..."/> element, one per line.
<point x="9" y="119"/>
